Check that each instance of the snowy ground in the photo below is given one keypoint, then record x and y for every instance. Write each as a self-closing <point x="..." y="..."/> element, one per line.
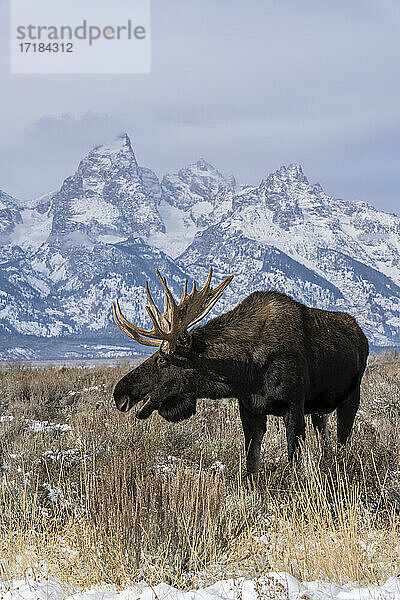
<point x="276" y="586"/>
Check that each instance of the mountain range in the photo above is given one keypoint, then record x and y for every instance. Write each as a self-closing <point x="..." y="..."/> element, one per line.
<point x="66" y="255"/>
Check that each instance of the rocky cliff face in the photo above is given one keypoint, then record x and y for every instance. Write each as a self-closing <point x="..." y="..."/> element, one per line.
<point x="112" y="222"/>
<point x="10" y="216"/>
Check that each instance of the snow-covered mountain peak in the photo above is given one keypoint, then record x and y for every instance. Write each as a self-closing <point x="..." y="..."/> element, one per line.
<point x="317" y="188"/>
<point x="198" y="182"/>
<point x="204" y="169"/>
<point x="203" y="165"/>
<point x="290" y="176"/>
<point x="108" y="160"/>
<point x="106" y="199"/>
<point x="291" y="173"/>
<point x="192" y="199"/>
<point x="118" y="147"/>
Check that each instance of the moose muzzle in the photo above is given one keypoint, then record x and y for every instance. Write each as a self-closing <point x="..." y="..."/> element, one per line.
<point x="148" y="407"/>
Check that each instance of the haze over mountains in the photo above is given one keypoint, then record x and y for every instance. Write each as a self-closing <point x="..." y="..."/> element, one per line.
<point x="67" y="255"/>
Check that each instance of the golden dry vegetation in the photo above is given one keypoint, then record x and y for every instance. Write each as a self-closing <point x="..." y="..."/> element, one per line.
<point x="89" y="495"/>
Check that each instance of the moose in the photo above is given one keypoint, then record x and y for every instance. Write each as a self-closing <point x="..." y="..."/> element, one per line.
<point x="274" y="354"/>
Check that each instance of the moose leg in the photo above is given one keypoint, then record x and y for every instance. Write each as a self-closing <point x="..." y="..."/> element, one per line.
<point x="254" y="429"/>
<point x="295" y="430"/>
<point x="320" y="424"/>
<point x="345" y="414"/>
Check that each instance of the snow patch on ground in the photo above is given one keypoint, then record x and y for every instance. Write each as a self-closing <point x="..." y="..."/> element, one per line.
<point x="272" y="586"/>
<point x="41" y="426"/>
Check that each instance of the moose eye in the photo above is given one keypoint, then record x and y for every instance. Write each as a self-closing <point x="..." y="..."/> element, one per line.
<point x="161" y="361"/>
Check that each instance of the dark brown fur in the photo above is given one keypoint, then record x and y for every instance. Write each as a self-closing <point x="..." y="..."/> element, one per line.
<point x="276" y="355"/>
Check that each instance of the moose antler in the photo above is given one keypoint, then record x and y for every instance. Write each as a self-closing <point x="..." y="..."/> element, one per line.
<point x="176" y="319"/>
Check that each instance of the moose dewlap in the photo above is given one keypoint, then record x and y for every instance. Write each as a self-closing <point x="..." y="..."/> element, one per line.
<point x="275" y="355"/>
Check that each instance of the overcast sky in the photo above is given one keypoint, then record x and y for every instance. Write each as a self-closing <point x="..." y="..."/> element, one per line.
<point x="248" y="85"/>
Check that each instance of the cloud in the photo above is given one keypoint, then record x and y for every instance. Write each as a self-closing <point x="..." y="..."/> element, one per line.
<point x="89" y="128"/>
<point x="49" y="149"/>
<point x="248" y="85"/>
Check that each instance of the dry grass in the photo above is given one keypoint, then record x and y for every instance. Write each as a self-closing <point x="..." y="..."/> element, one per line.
<point x="89" y="495"/>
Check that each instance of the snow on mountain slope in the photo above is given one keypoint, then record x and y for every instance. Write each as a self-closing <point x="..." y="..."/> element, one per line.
<point x="285" y="233"/>
<point x="256" y="266"/>
<point x="179" y="230"/>
<point x="22" y="291"/>
<point x="33" y="230"/>
<point x="376" y="233"/>
<point x="65" y="256"/>
<point x="70" y="290"/>
<point x="285" y="210"/>
<point x="86" y="280"/>
<point x="190" y="201"/>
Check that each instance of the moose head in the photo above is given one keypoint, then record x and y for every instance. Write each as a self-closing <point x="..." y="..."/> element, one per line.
<point x="172" y="379"/>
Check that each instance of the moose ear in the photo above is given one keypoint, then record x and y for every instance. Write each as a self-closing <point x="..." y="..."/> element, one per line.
<point x="185" y="341"/>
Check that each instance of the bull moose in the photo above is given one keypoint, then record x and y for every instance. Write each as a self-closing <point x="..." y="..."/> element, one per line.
<point x="275" y="355"/>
